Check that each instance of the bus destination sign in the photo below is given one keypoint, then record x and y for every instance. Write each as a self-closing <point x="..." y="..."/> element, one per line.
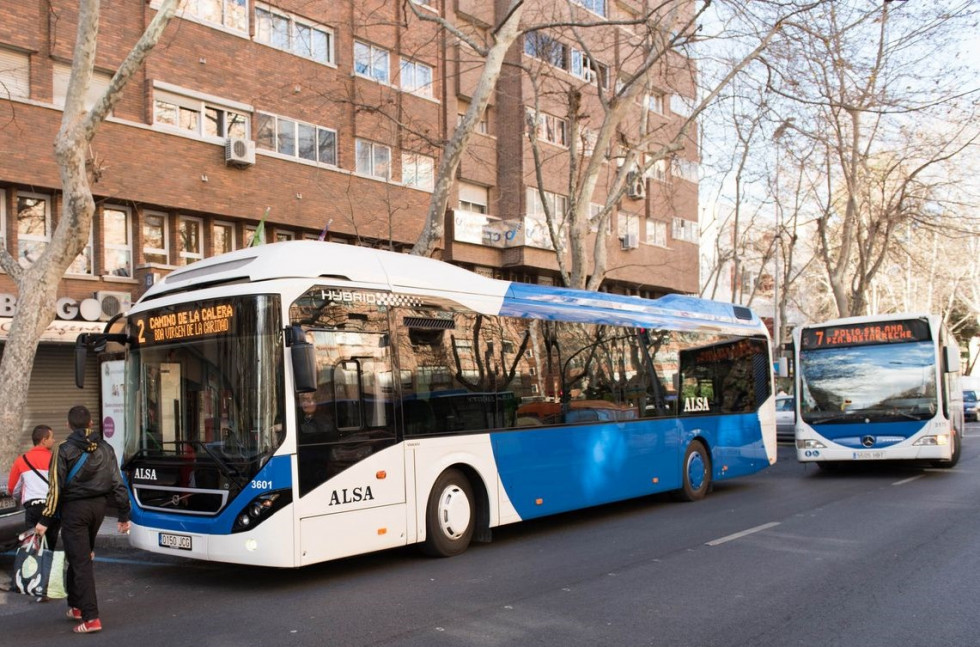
<point x="865" y="334"/>
<point x="178" y="325"/>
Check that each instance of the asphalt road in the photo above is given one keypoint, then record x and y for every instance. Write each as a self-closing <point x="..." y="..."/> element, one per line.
<point x="883" y="555"/>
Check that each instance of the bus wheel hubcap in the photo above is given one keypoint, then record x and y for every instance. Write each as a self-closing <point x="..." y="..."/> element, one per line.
<point x="695" y="470"/>
<point x="454" y="512"/>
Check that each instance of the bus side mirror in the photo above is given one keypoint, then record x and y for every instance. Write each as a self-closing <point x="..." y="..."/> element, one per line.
<point x="951" y="359"/>
<point x="81" y="351"/>
<point x="303" y="355"/>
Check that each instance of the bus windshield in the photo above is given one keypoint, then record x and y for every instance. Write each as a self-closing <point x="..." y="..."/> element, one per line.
<point x="878" y="383"/>
<point x="205" y="385"/>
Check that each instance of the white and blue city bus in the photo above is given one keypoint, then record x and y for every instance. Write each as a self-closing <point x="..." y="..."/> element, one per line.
<point x="882" y="387"/>
<point x="304" y="401"/>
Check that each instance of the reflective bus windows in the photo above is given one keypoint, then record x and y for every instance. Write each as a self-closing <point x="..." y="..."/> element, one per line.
<point x="724" y="377"/>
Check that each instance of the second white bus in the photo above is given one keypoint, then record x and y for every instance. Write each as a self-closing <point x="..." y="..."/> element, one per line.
<point x="878" y="388"/>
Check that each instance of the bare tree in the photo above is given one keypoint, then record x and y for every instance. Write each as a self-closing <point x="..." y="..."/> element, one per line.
<point x="874" y="90"/>
<point x="38" y="282"/>
<point x="503" y="35"/>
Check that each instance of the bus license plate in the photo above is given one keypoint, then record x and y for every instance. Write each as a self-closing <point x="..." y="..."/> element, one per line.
<point x="180" y="542"/>
<point x="868" y="456"/>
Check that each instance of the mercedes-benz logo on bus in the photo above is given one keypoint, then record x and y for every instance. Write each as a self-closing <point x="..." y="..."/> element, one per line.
<point x="868" y="441"/>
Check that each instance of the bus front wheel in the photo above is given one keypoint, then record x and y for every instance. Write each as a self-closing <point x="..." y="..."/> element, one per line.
<point x="449" y="516"/>
<point x="695" y="473"/>
<point x="954" y="457"/>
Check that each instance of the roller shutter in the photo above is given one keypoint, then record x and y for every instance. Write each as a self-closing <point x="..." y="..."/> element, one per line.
<point x="53" y="391"/>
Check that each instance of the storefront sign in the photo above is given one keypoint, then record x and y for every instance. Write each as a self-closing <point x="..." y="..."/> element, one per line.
<point x="66" y="309"/>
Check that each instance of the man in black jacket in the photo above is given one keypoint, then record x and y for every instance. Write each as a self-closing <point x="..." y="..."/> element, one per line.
<point x="81" y="502"/>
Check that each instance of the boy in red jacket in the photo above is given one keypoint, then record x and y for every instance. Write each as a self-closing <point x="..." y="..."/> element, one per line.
<point x="29" y="480"/>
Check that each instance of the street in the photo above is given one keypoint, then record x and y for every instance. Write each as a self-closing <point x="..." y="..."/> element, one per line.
<point x="881" y="555"/>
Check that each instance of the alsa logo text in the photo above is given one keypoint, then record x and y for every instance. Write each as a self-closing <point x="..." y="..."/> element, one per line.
<point x="352" y="495"/>
<point x="696" y="404"/>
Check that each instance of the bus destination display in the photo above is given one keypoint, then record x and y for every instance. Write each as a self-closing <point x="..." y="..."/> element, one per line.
<point x="864" y="334"/>
<point x="185" y="324"/>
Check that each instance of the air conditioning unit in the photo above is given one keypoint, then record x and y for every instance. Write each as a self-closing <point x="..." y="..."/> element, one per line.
<point x="239" y="151"/>
<point x="636" y="186"/>
<point x="112" y="303"/>
<point x="630" y="241"/>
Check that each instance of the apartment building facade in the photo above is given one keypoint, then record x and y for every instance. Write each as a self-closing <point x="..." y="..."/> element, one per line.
<point x="327" y="116"/>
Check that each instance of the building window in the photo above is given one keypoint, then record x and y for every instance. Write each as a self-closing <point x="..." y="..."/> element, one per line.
<point x="549" y="128"/>
<point x="283" y="236"/>
<point x="588" y="70"/>
<point x="685" y="230"/>
<point x="156" y="238"/>
<point x="588" y="139"/>
<point x="15" y="75"/>
<point x="535" y="208"/>
<point x="473" y="198"/>
<point x="545" y="48"/>
<point x="416" y="78"/>
<point x="657" y="170"/>
<point x="117" y="236"/>
<point x="685" y="169"/>
<point x="595" y="213"/>
<point x="681" y="106"/>
<point x="628" y="224"/>
<point x="655" y="103"/>
<point x="190" y="243"/>
<point x="289" y="33"/>
<point x="251" y="231"/>
<point x="59" y="90"/>
<point x="482" y="126"/>
<point x="371" y="62"/>
<point x="222" y="238"/>
<point x="418" y="171"/>
<point x="595" y="6"/>
<point x="373" y="159"/>
<point x="197" y="117"/>
<point x="656" y="233"/>
<point x="83" y="264"/>
<point x="33" y="226"/>
<point x="231" y="14"/>
<point x="296" y="139"/>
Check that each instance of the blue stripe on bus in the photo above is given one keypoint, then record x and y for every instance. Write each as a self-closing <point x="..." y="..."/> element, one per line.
<point x="850" y="434"/>
<point x="594" y="464"/>
<point x="277" y="473"/>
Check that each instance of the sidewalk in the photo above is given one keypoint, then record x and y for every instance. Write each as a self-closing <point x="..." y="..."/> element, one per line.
<point x="109" y="536"/>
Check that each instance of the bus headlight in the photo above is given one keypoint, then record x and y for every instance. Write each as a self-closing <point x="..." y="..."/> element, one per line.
<point x="260" y="508"/>
<point x="809" y="443"/>
<point x="932" y="441"/>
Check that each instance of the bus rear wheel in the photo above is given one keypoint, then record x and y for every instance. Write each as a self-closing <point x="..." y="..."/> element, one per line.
<point x="449" y="516"/>
<point x="695" y="473"/>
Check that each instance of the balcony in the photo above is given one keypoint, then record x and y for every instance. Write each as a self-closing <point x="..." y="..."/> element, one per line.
<point x="481" y="229"/>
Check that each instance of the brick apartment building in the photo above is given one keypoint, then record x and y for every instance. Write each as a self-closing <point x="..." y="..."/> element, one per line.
<point x="330" y="115"/>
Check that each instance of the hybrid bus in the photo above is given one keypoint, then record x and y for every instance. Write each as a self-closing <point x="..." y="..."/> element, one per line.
<point x="304" y="401"/>
<point x="878" y="388"/>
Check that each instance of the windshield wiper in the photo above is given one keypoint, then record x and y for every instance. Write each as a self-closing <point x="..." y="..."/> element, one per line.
<point x="837" y="417"/>
<point x="228" y="470"/>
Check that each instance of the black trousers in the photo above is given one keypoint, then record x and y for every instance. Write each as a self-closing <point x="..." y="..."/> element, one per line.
<point x="32" y="514"/>
<point x="80" y="522"/>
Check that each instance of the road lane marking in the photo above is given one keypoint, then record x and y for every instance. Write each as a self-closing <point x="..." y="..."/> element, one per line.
<point x="908" y="480"/>
<point x="739" y="535"/>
